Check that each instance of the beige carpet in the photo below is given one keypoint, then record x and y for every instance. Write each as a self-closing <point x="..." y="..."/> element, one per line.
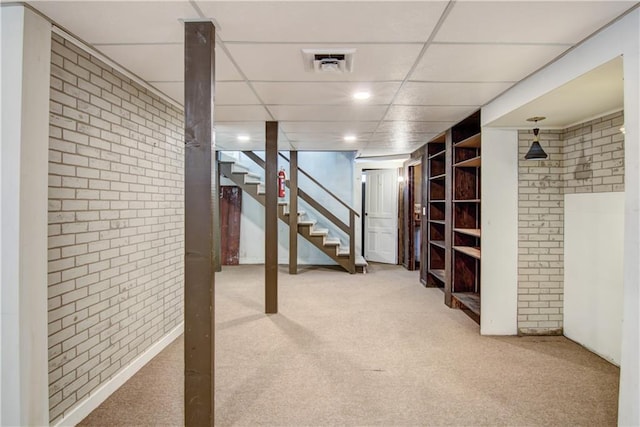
<point x="374" y="349"/>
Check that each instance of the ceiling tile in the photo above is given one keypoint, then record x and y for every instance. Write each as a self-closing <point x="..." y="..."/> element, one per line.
<point x="449" y="93"/>
<point x="234" y="93"/>
<point x="419" y="127"/>
<point x="328" y="146"/>
<point x="244" y="113"/>
<point x="120" y="21"/>
<point x="328" y="93"/>
<point x="325" y="138"/>
<point x="341" y="127"/>
<point x="401" y="138"/>
<point x="255" y="129"/>
<point x="174" y="90"/>
<point x="335" y="113"/>
<point x="227" y="93"/>
<point x="527" y="21"/>
<point x="163" y="62"/>
<point x="324" y="21"/>
<point x="434" y="114"/>
<point x="284" y="62"/>
<point x="483" y="63"/>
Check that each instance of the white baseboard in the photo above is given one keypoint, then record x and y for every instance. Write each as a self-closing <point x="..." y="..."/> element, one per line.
<point x="99" y="395"/>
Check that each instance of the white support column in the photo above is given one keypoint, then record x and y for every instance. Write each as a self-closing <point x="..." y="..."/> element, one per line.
<point x="499" y="301"/>
<point x="628" y="408"/>
<point x="26" y="55"/>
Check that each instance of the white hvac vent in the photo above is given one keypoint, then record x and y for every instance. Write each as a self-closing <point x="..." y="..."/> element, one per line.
<point x="328" y="60"/>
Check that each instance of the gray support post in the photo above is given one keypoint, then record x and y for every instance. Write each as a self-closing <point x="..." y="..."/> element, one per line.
<point x="293" y="212"/>
<point x="271" y="219"/>
<point x="200" y="191"/>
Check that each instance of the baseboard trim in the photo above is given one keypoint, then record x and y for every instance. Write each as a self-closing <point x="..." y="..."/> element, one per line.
<point x="101" y="394"/>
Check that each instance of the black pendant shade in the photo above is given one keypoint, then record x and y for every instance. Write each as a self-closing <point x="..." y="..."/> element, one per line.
<point x="535" y="151"/>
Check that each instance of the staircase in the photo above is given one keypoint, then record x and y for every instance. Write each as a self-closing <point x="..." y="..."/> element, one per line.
<point x="319" y="237"/>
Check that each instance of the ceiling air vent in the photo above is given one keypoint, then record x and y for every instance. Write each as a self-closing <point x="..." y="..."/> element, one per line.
<point x="328" y="60"/>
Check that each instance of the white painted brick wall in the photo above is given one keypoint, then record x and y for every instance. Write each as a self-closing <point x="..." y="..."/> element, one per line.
<point x="587" y="158"/>
<point x="115" y="223"/>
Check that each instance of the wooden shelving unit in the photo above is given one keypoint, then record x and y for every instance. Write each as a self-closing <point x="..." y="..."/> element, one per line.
<point x="466" y="235"/>
<point x="437" y="212"/>
<point x="453" y="240"/>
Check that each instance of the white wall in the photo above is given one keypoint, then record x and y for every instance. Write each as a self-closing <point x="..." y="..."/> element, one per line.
<point x="621" y="38"/>
<point x="593" y="253"/>
<point x="499" y="272"/>
<point x="26" y="52"/>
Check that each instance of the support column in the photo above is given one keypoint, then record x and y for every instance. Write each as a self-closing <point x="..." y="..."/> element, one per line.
<point x="293" y="212"/>
<point x="200" y="192"/>
<point x="271" y="219"/>
<point x="26" y="62"/>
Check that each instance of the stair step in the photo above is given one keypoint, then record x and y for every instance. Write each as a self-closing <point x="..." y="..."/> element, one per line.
<point x="307" y="222"/>
<point x="300" y="213"/>
<point x="342" y="251"/>
<point x="331" y="242"/>
<point x="319" y="232"/>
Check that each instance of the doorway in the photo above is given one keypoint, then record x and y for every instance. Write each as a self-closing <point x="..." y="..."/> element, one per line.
<point x="230" y="212"/>
<point x="380" y="216"/>
<point x="412" y="215"/>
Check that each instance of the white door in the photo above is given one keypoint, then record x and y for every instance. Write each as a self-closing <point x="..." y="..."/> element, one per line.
<point x="381" y="216"/>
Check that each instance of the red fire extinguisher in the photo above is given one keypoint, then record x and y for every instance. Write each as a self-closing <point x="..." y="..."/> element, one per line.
<point x="281" y="178"/>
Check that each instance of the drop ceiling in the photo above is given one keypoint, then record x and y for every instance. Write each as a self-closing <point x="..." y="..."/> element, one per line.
<point x="427" y="64"/>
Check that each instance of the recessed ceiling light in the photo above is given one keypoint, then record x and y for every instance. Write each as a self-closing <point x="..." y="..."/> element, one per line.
<point x="361" y="96"/>
<point x="243" y="138"/>
<point x="350" y="138"/>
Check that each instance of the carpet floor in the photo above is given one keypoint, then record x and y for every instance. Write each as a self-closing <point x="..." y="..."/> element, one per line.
<point x="374" y="349"/>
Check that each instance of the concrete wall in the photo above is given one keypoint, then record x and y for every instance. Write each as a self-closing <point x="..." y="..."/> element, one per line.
<point x="115" y="226"/>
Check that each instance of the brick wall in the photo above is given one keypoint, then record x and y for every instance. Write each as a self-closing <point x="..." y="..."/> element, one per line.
<point x="115" y="223"/>
<point x="587" y="158"/>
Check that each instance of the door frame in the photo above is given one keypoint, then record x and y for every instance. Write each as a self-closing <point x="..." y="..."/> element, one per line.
<point x="408" y="225"/>
<point x="398" y="171"/>
<point x="360" y="165"/>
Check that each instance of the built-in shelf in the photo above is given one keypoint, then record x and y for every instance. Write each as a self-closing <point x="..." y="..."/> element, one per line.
<point x="471" y="142"/>
<point x="468" y="250"/>
<point x="439" y="274"/>
<point x="469" y="163"/>
<point x="438" y="154"/>
<point x="438" y="243"/>
<point x="475" y="232"/>
<point x="468" y="302"/>
<point x="453" y="241"/>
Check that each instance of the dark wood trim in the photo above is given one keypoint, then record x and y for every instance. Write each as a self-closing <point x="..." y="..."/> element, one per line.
<point x="217" y="242"/>
<point x="424" y="236"/>
<point x="293" y="212"/>
<point x="200" y="183"/>
<point x="448" y="191"/>
<point x="271" y="219"/>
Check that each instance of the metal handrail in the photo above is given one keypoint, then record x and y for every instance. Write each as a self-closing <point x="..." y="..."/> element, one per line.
<point x="323" y="187"/>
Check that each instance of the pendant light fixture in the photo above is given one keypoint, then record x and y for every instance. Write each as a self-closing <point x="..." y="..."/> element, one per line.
<point x="535" y="151"/>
